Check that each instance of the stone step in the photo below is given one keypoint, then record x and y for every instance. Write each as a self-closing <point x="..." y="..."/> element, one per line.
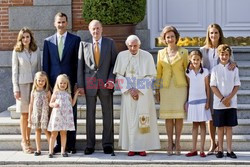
<point x="12" y="142"/>
<point x="243" y="111"/>
<point x="11" y="126"/>
<point x="243" y="96"/>
<point x="245" y="83"/>
<point x="244" y="68"/>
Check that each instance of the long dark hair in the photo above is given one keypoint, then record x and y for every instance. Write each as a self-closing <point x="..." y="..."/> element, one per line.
<point x="194" y="52"/>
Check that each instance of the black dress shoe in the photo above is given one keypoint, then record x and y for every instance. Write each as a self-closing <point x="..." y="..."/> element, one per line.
<point x="71" y="150"/>
<point x="37" y="153"/>
<point x="231" y="155"/>
<point x="219" y="154"/>
<point x="89" y="151"/>
<point x="57" y="149"/>
<point x="107" y="149"/>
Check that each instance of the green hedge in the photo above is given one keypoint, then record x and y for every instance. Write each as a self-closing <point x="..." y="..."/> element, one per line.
<point x="114" y="11"/>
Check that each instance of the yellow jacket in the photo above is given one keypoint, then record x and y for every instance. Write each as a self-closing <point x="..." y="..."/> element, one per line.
<point x="176" y="69"/>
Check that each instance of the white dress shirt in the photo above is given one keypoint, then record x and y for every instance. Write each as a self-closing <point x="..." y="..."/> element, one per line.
<point x="225" y="80"/>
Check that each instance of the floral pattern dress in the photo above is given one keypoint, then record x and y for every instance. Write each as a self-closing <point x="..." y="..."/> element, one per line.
<point x="62" y="117"/>
<point x="40" y="113"/>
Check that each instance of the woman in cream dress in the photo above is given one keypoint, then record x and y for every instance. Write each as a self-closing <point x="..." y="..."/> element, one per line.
<point x="171" y="86"/>
<point x="26" y="61"/>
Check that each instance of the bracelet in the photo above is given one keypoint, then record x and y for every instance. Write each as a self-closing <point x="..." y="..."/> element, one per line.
<point x="222" y="99"/>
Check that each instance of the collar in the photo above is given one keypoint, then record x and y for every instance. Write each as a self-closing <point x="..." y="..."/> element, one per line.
<point x="63" y="35"/>
<point x="224" y="65"/>
<point x="99" y="41"/>
<point x="136" y="55"/>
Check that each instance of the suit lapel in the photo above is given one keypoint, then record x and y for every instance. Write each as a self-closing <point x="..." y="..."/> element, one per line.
<point x="54" y="41"/>
<point x="103" y="51"/>
<point x="66" y="45"/>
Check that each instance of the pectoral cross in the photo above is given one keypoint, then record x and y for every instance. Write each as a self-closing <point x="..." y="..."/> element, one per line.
<point x="132" y="71"/>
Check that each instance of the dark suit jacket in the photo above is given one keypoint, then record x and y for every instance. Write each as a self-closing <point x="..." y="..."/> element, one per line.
<point x="89" y="76"/>
<point x="68" y="65"/>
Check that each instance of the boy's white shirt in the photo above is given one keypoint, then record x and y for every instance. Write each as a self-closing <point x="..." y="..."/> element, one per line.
<point x="224" y="80"/>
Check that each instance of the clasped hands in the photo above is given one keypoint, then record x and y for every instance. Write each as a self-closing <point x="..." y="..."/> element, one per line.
<point x="134" y="93"/>
<point x="226" y="101"/>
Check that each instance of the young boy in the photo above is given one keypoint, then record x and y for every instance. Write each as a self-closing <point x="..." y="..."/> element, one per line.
<point x="225" y="84"/>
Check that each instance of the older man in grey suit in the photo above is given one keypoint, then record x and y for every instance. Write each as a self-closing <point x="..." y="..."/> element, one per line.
<point x="95" y="77"/>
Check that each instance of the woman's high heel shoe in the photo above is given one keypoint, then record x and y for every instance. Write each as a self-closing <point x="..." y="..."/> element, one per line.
<point x="170" y="151"/>
<point x="26" y="148"/>
<point x="178" y="150"/>
<point x="29" y="145"/>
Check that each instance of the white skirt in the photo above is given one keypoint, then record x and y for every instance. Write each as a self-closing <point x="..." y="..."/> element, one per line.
<point x="198" y="113"/>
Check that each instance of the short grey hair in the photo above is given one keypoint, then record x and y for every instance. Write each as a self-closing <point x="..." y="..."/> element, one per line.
<point x="132" y="38"/>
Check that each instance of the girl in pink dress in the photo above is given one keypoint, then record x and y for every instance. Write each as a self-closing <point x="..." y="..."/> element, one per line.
<point x="61" y="119"/>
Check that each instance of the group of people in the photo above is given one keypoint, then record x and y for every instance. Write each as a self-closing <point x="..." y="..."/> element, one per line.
<point x="93" y="68"/>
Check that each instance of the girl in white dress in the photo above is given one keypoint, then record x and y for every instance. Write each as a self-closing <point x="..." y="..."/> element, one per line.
<point x="39" y="108"/>
<point x="198" y="100"/>
<point x="61" y="119"/>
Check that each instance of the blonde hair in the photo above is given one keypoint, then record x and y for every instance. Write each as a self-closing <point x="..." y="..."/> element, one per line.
<point x="208" y="42"/>
<point x="224" y="47"/>
<point x="170" y="29"/>
<point x="19" y="45"/>
<point x="41" y="74"/>
<point x="66" y="78"/>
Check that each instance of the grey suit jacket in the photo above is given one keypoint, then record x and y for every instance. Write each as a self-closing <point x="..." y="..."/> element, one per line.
<point x="23" y="68"/>
<point x="89" y="76"/>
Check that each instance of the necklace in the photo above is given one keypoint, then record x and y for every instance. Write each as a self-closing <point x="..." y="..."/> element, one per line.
<point x="172" y="51"/>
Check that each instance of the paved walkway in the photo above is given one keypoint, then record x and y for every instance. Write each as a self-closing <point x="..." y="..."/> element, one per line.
<point x="121" y="158"/>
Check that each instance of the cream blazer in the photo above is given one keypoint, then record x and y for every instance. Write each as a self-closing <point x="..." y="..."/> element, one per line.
<point x="24" y="68"/>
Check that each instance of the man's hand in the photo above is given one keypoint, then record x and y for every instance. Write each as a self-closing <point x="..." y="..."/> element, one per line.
<point x="134" y="93"/>
<point x="109" y="85"/>
<point x="80" y="91"/>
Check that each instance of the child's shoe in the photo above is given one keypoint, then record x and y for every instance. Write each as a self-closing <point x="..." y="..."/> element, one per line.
<point x="65" y="154"/>
<point x="143" y="153"/>
<point x="37" y="153"/>
<point x="131" y="153"/>
<point x="231" y="155"/>
<point x="190" y="154"/>
<point x="219" y="154"/>
<point x="202" y="154"/>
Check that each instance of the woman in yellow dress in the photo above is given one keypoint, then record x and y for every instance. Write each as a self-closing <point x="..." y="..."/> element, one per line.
<point x="171" y="86"/>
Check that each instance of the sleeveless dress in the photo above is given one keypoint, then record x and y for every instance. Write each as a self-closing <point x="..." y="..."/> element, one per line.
<point x="62" y="118"/>
<point x="40" y="113"/>
<point x="197" y="97"/>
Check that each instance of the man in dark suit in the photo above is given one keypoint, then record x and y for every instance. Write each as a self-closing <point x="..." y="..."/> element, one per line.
<point x="95" y="77"/>
<point x="60" y="56"/>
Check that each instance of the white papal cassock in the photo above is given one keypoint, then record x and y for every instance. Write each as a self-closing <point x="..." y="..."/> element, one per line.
<point x="136" y="71"/>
